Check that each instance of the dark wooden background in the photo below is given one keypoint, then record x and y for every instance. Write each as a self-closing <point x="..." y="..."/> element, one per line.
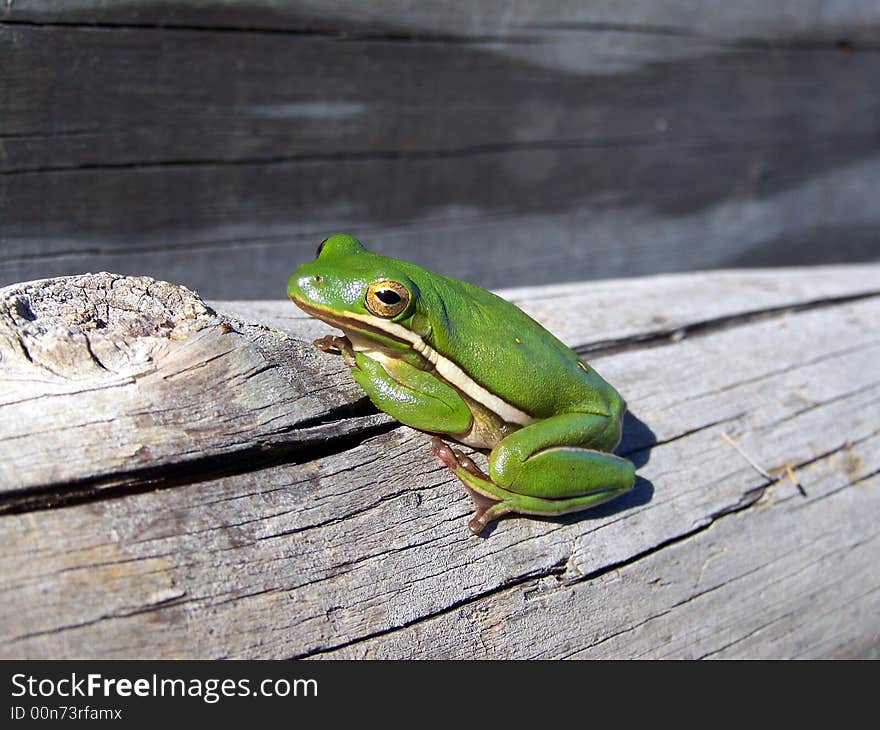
<point x="215" y="143"/>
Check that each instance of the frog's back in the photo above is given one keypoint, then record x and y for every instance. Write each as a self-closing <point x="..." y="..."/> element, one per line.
<point x="510" y="354"/>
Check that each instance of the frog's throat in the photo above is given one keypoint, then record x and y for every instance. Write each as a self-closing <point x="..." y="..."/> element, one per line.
<point x="445" y="368"/>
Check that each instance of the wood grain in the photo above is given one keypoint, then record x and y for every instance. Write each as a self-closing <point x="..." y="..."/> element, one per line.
<point x="344" y="537"/>
<point x="747" y="19"/>
<point x="507" y="144"/>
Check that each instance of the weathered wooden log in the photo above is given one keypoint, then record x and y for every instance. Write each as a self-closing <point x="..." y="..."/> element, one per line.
<point x="186" y="480"/>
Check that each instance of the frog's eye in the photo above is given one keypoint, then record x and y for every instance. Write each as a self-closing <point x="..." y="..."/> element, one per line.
<point x="321" y="247"/>
<point x="386" y="298"/>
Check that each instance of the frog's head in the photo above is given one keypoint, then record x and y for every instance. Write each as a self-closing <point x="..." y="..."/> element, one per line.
<point x="366" y="295"/>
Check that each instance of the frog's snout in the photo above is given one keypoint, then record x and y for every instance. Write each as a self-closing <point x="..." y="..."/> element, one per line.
<point x="305" y="285"/>
<point x="293" y="286"/>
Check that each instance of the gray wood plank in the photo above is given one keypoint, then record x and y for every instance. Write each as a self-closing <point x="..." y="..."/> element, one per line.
<point x="363" y="551"/>
<point x="225" y="250"/>
<point x="746" y="19"/>
<point x="581" y="142"/>
<point x="219" y="97"/>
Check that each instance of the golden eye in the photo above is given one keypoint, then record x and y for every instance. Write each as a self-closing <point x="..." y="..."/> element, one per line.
<point x="386" y="298"/>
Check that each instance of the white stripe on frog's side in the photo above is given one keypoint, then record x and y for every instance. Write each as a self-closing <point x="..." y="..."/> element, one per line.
<point x="444" y="367"/>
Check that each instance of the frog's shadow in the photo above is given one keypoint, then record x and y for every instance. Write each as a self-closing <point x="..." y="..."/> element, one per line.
<point x="635" y="444"/>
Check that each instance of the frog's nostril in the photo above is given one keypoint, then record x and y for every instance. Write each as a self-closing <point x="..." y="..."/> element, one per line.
<point x="318" y="278"/>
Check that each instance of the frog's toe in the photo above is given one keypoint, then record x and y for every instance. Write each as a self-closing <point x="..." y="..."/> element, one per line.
<point x="486" y="511"/>
<point x="455" y="458"/>
<point x="466" y="463"/>
<point x="327" y="343"/>
<point x="336" y="345"/>
<point x="486" y="508"/>
<point x="443" y="452"/>
<point x="477" y="525"/>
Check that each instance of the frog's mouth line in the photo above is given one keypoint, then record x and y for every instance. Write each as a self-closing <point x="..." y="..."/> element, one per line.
<point x="447" y="369"/>
<point x="343" y="323"/>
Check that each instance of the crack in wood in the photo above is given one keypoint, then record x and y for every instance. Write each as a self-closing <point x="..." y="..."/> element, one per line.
<point x="328" y="34"/>
<point x="751" y="633"/>
<point x="821" y="404"/>
<point x="189" y="471"/>
<point x="770" y="373"/>
<point x="111" y="616"/>
<point x="801" y="569"/>
<point x="535" y="575"/>
<point x="774" y="44"/>
<point x="648" y="447"/>
<point x="500" y="148"/>
<point x="559" y="569"/>
<point x="869" y="592"/>
<point x="513" y="35"/>
<point x="259" y="456"/>
<point x="664" y="337"/>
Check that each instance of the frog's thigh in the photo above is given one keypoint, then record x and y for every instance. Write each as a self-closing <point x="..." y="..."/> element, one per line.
<point x="562" y="457"/>
<point x="412" y="396"/>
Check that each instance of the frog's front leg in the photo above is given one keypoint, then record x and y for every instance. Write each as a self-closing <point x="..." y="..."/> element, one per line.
<point x="412" y="396"/>
<point x="336" y="345"/>
<point x="551" y="467"/>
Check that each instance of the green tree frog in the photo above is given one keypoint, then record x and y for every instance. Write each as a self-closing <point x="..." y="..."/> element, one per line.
<point x="457" y="361"/>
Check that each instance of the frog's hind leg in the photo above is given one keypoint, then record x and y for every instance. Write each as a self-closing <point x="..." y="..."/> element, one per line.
<point x="491" y="501"/>
<point x="488" y="507"/>
<point x="543" y="469"/>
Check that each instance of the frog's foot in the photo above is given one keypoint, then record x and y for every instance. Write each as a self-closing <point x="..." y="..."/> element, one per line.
<point x="336" y="345"/>
<point x="455" y="459"/>
<point x="333" y="344"/>
<point x="486" y="508"/>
